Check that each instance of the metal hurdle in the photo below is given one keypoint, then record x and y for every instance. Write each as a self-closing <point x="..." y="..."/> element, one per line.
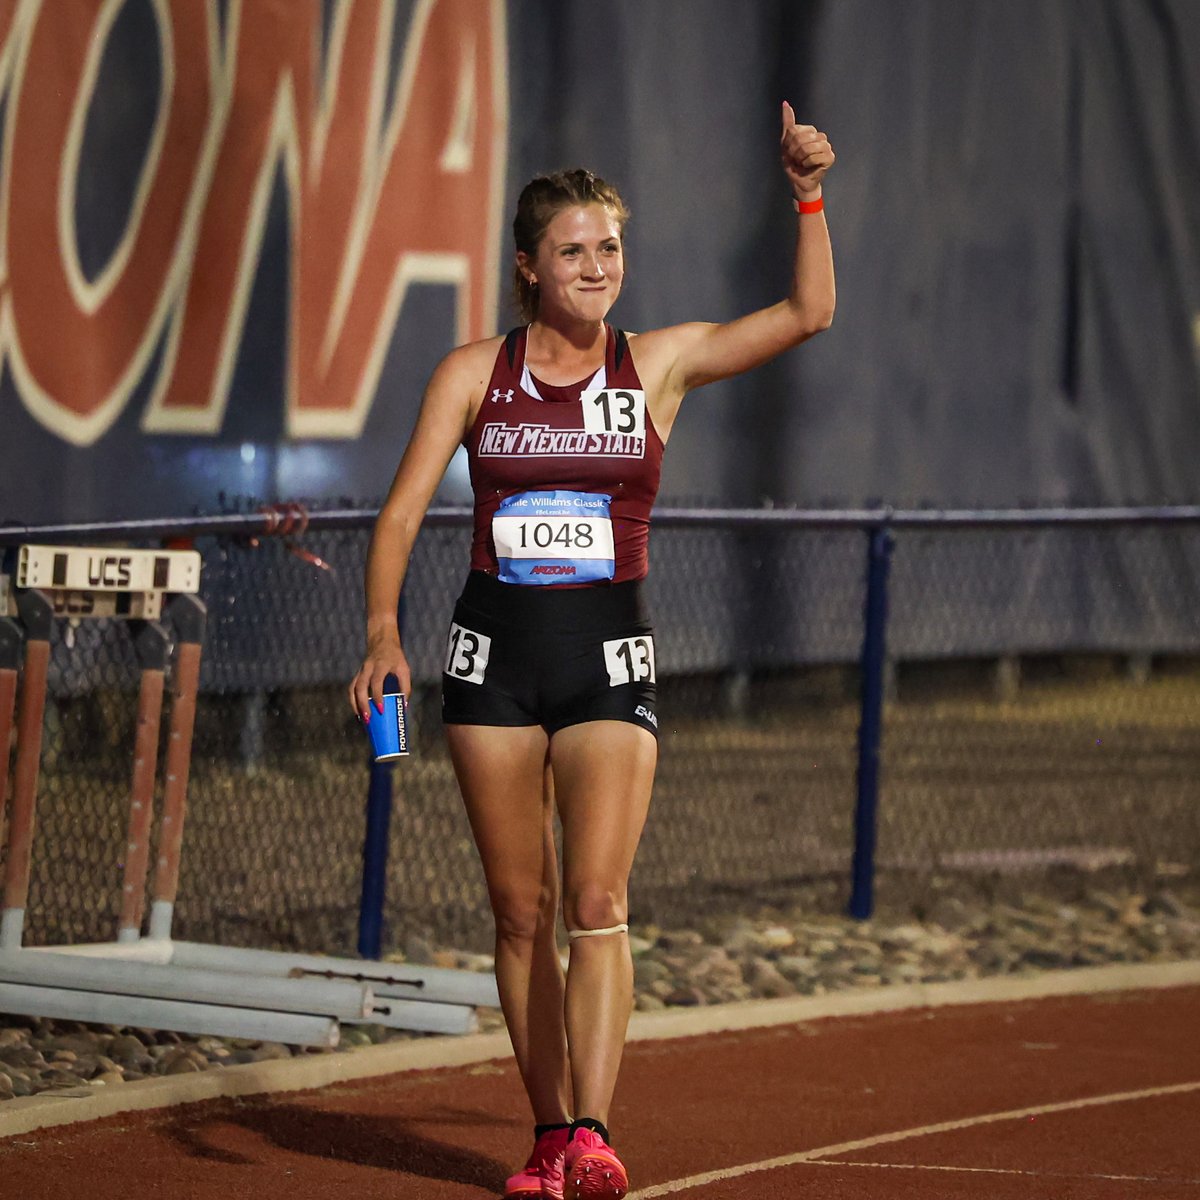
<point x="154" y="980"/>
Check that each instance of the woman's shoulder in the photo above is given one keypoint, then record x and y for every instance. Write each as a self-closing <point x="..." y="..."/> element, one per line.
<point x="473" y="353"/>
<point x="469" y="364"/>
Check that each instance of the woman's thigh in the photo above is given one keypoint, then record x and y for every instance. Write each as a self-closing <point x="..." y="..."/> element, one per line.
<point x="603" y="775"/>
<point x="501" y="773"/>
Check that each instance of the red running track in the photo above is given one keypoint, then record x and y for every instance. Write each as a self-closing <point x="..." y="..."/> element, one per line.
<point x="1071" y="1098"/>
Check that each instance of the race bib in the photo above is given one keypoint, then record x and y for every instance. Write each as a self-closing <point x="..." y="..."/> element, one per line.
<point x="630" y="660"/>
<point x="554" y="537"/>
<point x="467" y="654"/>
<point x="615" y="410"/>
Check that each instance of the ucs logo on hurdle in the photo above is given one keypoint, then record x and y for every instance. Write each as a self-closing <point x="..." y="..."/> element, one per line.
<point x="90" y="581"/>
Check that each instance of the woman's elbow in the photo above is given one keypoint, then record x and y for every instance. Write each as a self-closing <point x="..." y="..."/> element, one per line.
<point x="811" y="320"/>
<point x="396" y="520"/>
<point x="821" y="320"/>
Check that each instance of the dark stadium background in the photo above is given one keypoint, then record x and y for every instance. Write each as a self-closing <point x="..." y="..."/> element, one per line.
<point x="1015" y="213"/>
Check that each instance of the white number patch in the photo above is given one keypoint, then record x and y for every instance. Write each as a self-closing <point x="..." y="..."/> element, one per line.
<point x="615" y="410"/>
<point x="467" y="654"/>
<point x="629" y="660"/>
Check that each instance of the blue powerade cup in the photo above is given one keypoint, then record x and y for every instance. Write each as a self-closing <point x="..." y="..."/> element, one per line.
<point x="389" y="729"/>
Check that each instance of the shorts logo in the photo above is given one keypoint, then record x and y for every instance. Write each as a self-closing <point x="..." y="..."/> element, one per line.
<point x="498" y="395"/>
<point x="643" y="711"/>
<point x="552" y="569"/>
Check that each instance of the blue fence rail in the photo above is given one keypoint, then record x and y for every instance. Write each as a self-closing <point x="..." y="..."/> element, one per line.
<point x="878" y="526"/>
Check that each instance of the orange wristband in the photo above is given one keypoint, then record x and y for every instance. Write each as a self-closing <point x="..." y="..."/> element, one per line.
<point x="809" y="206"/>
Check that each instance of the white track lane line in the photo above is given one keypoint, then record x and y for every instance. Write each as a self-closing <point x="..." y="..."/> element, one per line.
<point x="845" y="1162"/>
<point x="805" y="1156"/>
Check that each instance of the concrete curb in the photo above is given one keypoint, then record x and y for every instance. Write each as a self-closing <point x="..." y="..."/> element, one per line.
<point x="314" y="1071"/>
<point x="755" y="1014"/>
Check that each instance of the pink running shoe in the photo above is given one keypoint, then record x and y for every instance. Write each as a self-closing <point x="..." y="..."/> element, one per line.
<point x="592" y="1169"/>
<point x="542" y="1176"/>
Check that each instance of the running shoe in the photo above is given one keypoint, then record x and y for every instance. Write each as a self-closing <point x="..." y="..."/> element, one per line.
<point x="592" y="1169"/>
<point x="541" y="1178"/>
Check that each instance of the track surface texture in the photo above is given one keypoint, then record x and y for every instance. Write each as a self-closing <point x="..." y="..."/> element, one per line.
<point x="1070" y="1098"/>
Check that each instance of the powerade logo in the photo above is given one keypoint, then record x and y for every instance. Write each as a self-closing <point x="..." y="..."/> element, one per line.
<point x="401" y="728"/>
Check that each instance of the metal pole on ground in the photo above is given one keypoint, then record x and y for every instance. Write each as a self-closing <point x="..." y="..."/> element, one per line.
<point x="37" y="618"/>
<point x="870" y="728"/>
<point x="153" y="646"/>
<point x="188" y="616"/>
<point x="375" y="857"/>
<point x="11" y="640"/>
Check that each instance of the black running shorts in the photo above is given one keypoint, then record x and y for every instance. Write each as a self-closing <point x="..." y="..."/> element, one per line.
<point x="548" y="656"/>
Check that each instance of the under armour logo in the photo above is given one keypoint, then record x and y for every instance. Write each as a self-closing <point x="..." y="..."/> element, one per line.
<point x="497" y="394"/>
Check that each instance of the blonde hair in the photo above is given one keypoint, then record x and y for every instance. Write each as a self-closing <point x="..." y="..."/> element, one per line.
<point x="541" y="200"/>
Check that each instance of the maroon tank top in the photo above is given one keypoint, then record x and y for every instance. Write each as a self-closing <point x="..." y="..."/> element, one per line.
<point x="594" y="437"/>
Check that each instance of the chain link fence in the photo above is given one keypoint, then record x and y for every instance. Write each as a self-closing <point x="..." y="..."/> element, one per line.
<point x="1043" y="715"/>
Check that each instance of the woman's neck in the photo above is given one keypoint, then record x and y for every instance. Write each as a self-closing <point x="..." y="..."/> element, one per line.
<point x="563" y="353"/>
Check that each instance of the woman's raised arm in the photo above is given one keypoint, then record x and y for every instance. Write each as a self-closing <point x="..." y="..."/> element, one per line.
<point x="700" y="352"/>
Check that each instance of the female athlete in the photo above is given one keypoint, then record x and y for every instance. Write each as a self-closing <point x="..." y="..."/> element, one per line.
<point x="549" y="683"/>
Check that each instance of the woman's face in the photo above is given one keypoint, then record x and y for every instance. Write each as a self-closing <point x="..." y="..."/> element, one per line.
<point x="579" y="264"/>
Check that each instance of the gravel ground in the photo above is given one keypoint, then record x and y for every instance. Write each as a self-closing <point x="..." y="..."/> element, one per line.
<point x="778" y="951"/>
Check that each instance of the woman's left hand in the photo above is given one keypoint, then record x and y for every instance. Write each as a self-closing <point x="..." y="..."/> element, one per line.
<point x="806" y="154"/>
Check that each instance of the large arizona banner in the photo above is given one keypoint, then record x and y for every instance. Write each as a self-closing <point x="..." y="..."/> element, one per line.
<point x="236" y="236"/>
<point x="393" y="175"/>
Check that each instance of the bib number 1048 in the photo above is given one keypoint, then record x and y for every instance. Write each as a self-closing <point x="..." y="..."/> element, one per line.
<point x="629" y="660"/>
<point x="544" y="535"/>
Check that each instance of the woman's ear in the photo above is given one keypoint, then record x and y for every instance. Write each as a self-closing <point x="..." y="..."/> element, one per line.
<point x="523" y="265"/>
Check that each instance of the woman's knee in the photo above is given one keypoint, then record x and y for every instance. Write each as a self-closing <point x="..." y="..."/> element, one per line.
<point x="595" y="906"/>
<point x="522" y="911"/>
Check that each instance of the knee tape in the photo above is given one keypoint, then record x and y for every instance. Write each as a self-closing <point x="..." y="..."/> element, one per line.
<point x="572" y="934"/>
